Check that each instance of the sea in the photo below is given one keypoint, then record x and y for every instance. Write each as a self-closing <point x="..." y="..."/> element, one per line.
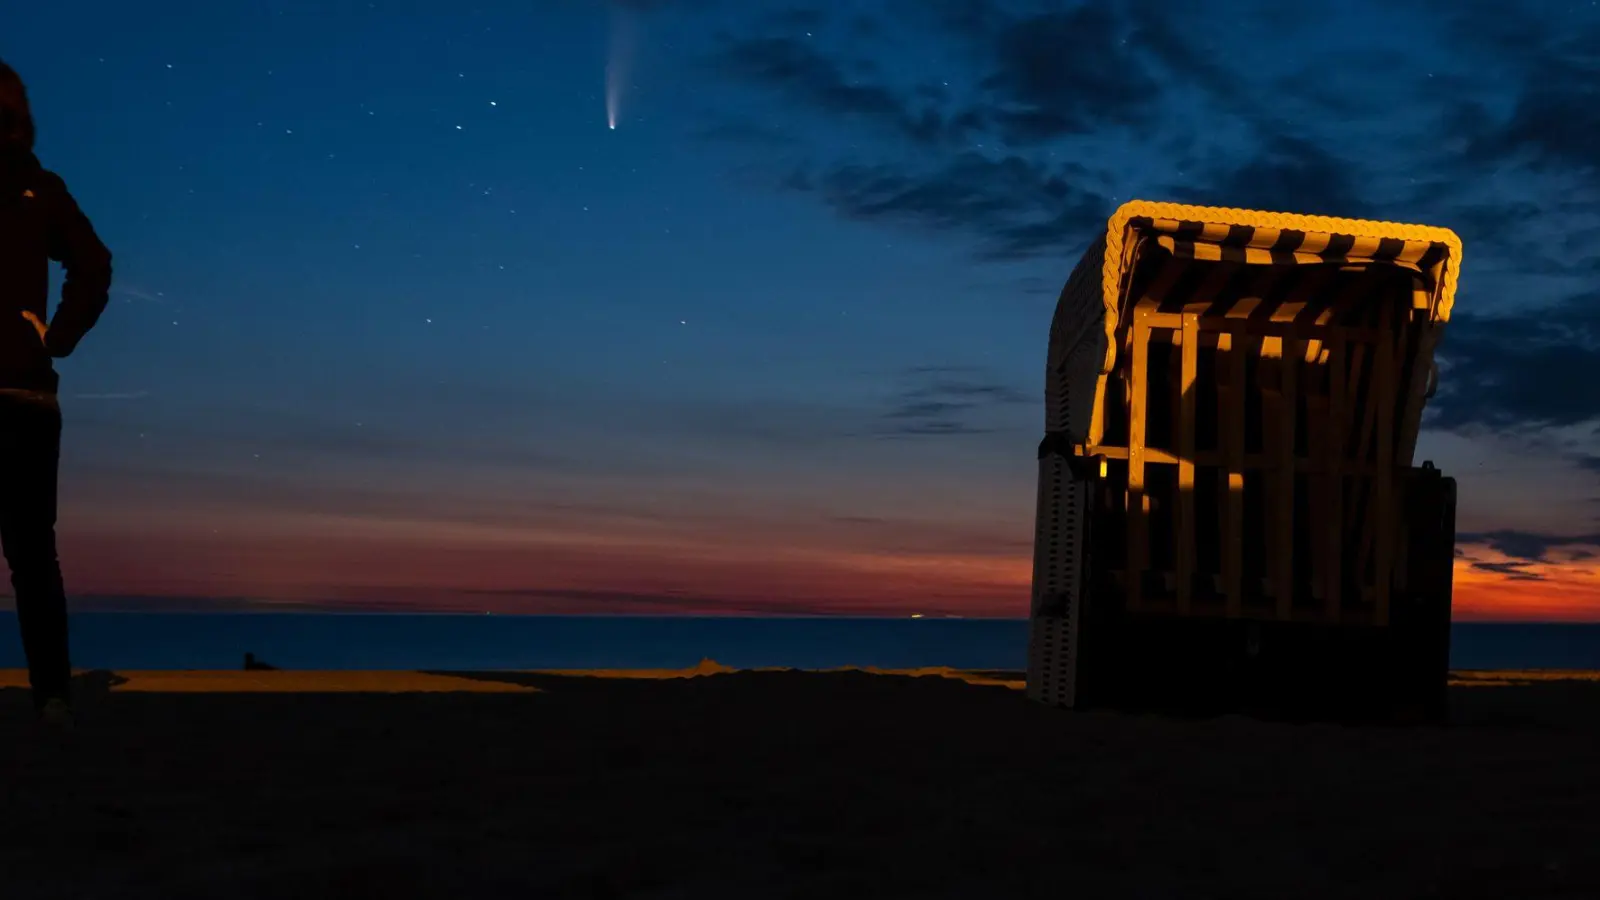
<point x="453" y="642"/>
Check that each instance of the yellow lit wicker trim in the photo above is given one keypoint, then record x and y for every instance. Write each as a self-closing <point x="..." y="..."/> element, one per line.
<point x="1218" y="219"/>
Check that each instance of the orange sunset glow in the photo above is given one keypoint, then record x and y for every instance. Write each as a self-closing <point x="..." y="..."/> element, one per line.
<point x="1546" y="591"/>
<point x="354" y="562"/>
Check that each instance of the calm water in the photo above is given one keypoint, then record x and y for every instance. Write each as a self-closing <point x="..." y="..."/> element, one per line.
<point x="394" y="641"/>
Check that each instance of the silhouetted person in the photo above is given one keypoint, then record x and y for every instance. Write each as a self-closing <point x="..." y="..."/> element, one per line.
<point x="39" y="221"/>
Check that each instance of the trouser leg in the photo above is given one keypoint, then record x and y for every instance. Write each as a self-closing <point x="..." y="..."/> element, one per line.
<point x="30" y="452"/>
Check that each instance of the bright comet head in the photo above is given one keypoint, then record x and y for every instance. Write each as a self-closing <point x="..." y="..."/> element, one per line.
<point x="619" y="60"/>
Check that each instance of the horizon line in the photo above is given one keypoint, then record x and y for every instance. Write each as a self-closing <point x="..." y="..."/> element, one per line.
<point x="278" y="608"/>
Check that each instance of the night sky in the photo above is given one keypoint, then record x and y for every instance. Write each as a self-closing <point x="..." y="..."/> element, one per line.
<point x="400" y="322"/>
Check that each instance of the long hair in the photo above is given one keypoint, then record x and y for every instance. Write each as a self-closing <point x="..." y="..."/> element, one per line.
<point x="16" y="119"/>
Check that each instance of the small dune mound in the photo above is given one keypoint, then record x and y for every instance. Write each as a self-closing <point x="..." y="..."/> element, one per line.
<point x="709" y="666"/>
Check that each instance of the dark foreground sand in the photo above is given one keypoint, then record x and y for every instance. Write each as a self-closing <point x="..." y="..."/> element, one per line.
<point x="778" y="784"/>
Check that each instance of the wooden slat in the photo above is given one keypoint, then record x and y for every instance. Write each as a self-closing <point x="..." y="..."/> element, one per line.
<point x="1373" y="523"/>
<point x="1316" y="487"/>
<point x="1333" y="461"/>
<point x="1162" y="284"/>
<point x="1353" y="447"/>
<point x="1283" y="438"/>
<point x="1138" y="385"/>
<point x="1356" y="461"/>
<point x="1264" y="327"/>
<point x="1173" y="345"/>
<point x="1305" y="293"/>
<point x="1317" y="388"/>
<point x="1206" y="294"/>
<point x="1358" y="358"/>
<point x="1097" y="418"/>
<point x="1384" y="388"/>
<point x="1187" y="372"/>
<point x="1416" y="390"/>
<point x="1414" y="383"/>
<point x="1250" y="462"/>
<point x="1361" y="512"/>
<point x="1230" y="433"/>
<point x="1224" y="347"/>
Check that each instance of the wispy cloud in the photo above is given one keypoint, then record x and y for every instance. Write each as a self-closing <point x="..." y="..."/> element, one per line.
<point x="113" y="395"/>
<point x="1513" y="571"/>
<point x="798" y="71"/>
<point x="952" y="400"/>
<point x="1526" y="546"/>
<point x="1043" y="118"/>
<point x="1015" y="207"/>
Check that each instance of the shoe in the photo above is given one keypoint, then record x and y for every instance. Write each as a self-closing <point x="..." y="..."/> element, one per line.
<point x="56" y="713"/>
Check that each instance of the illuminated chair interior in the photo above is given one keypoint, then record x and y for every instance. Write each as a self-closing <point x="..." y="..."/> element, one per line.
<point x="1232" y="406"/>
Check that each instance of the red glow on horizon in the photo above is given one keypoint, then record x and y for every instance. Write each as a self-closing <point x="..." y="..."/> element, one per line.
<point x="332" y="563"/>
<point x="1545" y="592"/>
<point x="546" y="576"/>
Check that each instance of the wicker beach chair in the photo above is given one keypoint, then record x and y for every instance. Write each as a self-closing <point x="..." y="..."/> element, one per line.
<point x="1228" y="515"/>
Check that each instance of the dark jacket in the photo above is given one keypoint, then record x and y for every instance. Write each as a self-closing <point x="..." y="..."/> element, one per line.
<point x="39" y="221"/>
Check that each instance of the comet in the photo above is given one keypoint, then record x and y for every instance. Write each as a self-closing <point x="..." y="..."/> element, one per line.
<point x="619" y="62"/>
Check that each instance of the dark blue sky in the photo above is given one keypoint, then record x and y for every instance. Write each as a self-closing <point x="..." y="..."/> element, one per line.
<point x="399" y="319"/>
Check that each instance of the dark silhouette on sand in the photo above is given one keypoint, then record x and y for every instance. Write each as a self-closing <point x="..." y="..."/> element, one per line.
<point x="251" y="664"/>
<point x="39" y="222"/>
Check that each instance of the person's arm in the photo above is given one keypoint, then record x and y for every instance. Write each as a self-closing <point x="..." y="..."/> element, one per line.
<point x="87" y="264"/>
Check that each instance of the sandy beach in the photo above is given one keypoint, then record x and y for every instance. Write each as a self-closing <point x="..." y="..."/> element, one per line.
<point x="716" y="784"/>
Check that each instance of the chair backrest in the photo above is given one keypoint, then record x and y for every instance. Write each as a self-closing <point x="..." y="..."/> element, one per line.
<point x="1254" y="384"/>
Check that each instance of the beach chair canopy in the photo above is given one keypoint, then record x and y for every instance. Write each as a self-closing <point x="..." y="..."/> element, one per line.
<point x="1247" y="383"/>
<point x="1254" y="251"/>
